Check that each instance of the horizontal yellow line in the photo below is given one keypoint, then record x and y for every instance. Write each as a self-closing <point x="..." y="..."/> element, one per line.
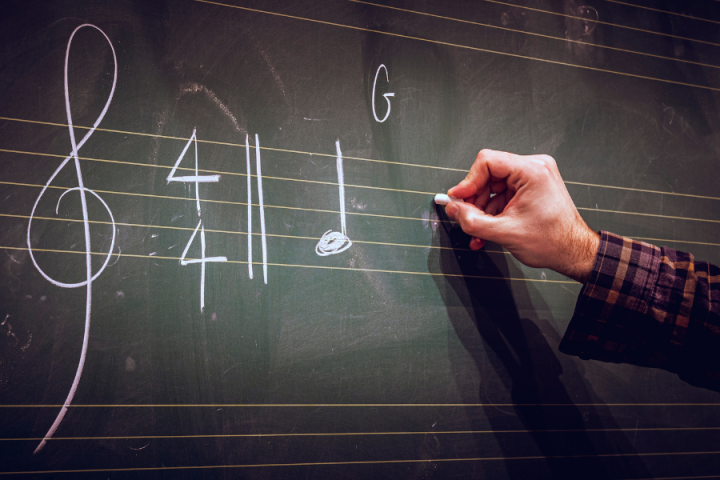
<point x="665" y="11"/>
<point x="395" y="217"/>
<point x="364" y="462"/>
<point x="212" y="142"/>
<point x="361" y="434"/>
<point x="551" y="37"/>
<point x="265" y="177"/>
<point x="315" y="239"/>
<point x="636" y="29"/>
<point x="239" y="232"/>
<point x="675" y="241"/>
<point x="644" y="190"/>
<point x="467" y="47"/>
<point x="227" y="202"/>
<point x="684" y="477"/>
<point x="653" y="215"/>
<point x="320" y="267"/>
<point x="356" y="405"/>
<point x="121" y="162"/>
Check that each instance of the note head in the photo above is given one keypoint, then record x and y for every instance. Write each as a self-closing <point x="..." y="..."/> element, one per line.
<point x="332" y="243"/>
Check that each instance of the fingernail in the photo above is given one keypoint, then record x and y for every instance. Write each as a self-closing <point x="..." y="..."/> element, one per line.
<point x="452" y="210"/>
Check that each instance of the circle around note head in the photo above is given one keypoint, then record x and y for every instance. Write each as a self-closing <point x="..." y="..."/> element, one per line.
<point x="332" y="243"/>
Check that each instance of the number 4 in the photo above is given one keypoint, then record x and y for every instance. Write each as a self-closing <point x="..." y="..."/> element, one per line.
<point x="196" y="179"/>
<point x="202" y="260"/>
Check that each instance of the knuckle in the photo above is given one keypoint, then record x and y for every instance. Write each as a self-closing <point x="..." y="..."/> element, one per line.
<point x="548" y="162"/>
<point x="483" y="154"/>
<point x="469" y="223"/>
<point x="544" y="165"/>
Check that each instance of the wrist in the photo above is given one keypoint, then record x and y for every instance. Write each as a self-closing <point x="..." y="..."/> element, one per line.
<point x="586" y="245"/>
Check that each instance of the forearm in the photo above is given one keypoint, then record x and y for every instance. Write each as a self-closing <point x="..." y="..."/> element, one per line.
<point x="649" y="306"/>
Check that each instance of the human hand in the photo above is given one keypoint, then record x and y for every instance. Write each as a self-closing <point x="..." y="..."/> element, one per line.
<point x="531" y="213"/>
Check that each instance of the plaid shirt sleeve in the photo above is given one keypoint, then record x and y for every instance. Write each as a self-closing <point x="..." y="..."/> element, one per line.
<point x="649" y="306"/>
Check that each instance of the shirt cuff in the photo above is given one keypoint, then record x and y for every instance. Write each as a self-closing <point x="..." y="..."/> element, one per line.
<point x="610" y="322"/>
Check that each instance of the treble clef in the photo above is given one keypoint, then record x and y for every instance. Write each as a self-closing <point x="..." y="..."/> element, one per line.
<point x="86" y="224"/>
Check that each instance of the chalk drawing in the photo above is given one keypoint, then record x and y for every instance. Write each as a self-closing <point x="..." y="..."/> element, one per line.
<point x="89" y="277"/>
<point x="332" y="243"/>
<point x="191" y="178"/>
<point x="249" y="205"/>
<point x="387" y="95"/>
<point x="202" y="260"/>
<point x="262" y="207"/>
<point x="197" y="180"/>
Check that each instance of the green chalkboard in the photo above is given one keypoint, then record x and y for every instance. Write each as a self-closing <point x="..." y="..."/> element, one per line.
<point x="154" y="326"/>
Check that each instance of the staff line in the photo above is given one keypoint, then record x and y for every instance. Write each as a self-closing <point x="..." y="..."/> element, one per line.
<point x="684" y="477"/>
<point x="238" y="174"/>
<point x="636" y="29"/>
<point x="663" y="11"/>
<point x="676" y="241"/>
<point x="467" y="47"/>
<point x="318" y="267"/>
<point x="395" y="217"/>
<point x="366" y="405"/>
<point x="315" y="239"/>
<point x="229" y="144"/>
<point x="353" y="434"/>
<point x="366" y="462"/>
<point x="644" y="190"/>
<point x="552" y="37"/>
<point x="301" y="152"/>
<point x="653" y="215"/>
<point x="227" y="202"/>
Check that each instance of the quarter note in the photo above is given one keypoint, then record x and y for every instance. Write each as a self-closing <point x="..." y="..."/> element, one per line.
<point x="332" y="243"/>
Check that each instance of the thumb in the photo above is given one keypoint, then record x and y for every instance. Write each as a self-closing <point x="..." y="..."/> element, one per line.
<point x="475" y="222"/>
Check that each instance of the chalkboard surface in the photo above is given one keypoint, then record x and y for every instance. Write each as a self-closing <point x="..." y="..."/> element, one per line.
<point x="354" y="335"/>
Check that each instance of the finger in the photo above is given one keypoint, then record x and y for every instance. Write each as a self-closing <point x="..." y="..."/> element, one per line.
<point x="496" y="205"/>
<point x="482" y="198"/>
<point x="475" y="222"/>
<point x="489" y="165"/>
<point x="508" y="194"/>
<point x="476" y="243"/>
<point x="498" y="187"/>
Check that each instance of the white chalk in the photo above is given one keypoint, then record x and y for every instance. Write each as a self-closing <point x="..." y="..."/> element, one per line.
<point x="442" y="199"/>
<point x="86" y="223"/>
